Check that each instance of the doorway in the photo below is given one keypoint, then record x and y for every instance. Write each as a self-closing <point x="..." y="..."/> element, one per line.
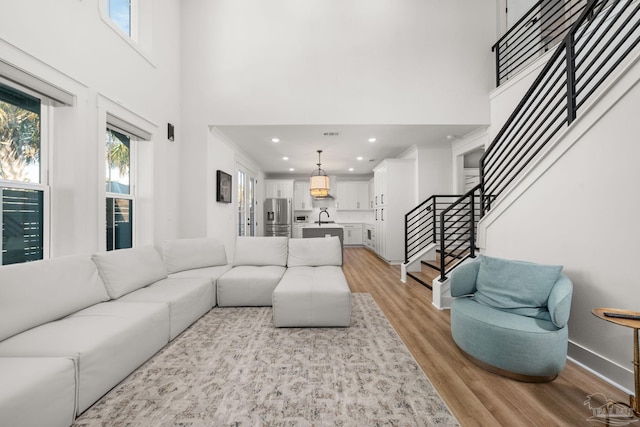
<point x="247" y="223"/>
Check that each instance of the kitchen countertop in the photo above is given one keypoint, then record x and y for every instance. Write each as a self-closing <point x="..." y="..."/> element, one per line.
<point x="330" y="225"/>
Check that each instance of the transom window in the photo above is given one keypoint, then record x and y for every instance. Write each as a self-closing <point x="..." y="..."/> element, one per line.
<point x="120" y="12"/>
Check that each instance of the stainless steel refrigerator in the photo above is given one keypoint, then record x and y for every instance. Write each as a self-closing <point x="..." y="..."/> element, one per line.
<point x="277" y="217"/>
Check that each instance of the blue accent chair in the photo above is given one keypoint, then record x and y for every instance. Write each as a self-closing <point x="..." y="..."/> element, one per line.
<point x="510" y="317"/>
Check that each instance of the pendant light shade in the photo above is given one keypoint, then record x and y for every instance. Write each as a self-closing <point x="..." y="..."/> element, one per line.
<point x="319" y="182"/>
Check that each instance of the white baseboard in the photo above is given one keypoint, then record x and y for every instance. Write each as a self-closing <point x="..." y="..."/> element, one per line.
<point x="611" y="372"/>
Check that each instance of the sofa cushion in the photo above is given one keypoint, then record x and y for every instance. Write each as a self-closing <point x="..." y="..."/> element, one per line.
<point x="37" y="391"/>
<point x="516" y="286"/>
<point x="314" y="252"/>
<point x="211" y="273"/>
<point x="38" y="292"/>
<point x="108" y="341"/>
<point x="188" y="300"/>
<point x="187" y="254"/>
<point x="312" y="296"/>
<point x="261" y="251"/>
<point x="126" y="270"/>
<point x="248" y="285"/>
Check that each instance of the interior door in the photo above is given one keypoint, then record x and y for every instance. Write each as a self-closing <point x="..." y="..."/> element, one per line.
<point x="246" y="203"/>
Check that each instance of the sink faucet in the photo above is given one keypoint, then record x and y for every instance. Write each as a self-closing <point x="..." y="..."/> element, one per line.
<point x="324" y="210"/>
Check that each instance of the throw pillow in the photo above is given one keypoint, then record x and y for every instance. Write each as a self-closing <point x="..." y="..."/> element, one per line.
<point x="516" y="286"/>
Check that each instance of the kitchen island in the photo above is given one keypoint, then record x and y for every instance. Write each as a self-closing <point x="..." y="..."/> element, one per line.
<point x="323" y="230"/>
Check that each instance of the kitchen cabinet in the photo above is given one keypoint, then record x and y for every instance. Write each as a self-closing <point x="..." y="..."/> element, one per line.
<point x="353" y="195"/>
<point x="394" y="196"/>
<point x="301" y="196"/>
<point x="352" y="234"/>
<point x="296" y="230"/>
<point x="372" y="189"/>
<point x="369" y="236"/>
<point x="278" y="188"/>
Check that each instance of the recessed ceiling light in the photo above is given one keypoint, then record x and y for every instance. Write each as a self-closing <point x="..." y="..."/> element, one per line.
<point x="275" y="139"/>
<point x="291" y="169"/>
<point x="450" y="137"/>
<point x="372" y="140"/>
<point x="350" y="169"/>
<point x="285" y="158"/>
<point x="360" y="157"/>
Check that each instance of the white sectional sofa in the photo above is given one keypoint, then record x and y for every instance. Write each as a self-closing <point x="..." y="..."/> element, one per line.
<point x="71" y="328"/>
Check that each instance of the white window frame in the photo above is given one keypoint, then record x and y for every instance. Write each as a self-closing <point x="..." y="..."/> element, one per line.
<point x="141" y="26"/>
<point x="133" y="144"/>
<point x="141" y="131"/>
<point x="46" y="136"/>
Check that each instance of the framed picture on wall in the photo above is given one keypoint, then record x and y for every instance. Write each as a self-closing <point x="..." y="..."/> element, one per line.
<point x="223" y="189"/>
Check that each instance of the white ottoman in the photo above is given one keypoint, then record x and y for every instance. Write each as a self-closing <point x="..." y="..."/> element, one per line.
<point x="312" y="296"/>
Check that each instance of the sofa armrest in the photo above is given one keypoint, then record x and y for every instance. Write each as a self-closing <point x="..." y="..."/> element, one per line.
<point x="559" y="303"/>
<point x="463" y="279"/>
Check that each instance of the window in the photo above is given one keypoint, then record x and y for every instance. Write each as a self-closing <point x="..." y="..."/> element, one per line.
<point x="120" y="12"/>
<point x="119" y="192"/>
<point x="22" y="192"/>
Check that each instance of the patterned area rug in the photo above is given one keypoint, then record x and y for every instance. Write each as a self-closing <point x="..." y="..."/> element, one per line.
<point x="233" y="368"/>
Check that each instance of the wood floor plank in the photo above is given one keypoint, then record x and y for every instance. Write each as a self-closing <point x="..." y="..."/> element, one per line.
<point x="475" y="396"/>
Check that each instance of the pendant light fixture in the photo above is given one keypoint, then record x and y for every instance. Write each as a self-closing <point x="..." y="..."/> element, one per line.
<point x="319" y="183"/>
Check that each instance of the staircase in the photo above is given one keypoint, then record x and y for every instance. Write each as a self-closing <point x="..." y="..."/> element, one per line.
<point x="594" y="38"/>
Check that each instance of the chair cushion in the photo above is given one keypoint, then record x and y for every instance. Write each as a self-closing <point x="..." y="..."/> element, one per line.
<point x="516" y="286"/>
<point x="315" y="252"/>
<point x="260" y="251"/>
<point x="187" y="254"/>
<point x="126" y="270"/>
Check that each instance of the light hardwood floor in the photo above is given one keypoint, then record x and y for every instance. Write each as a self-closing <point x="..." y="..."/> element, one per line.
<point x="475" y="396"/>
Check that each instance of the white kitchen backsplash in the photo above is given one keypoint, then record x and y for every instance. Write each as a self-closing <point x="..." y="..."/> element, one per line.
<point x="343" y="216"/>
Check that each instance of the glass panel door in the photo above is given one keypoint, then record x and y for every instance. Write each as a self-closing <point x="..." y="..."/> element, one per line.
<point x="246" y="204"/>
<point x="242" y="207"/>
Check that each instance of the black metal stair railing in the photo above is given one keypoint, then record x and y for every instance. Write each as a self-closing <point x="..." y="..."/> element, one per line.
<point x="538" y="31"/>
<point x="599" y="41"/>
<point x="458" y="227"/>
<point x="422" y="224"/>
<point x="450" y="222"/>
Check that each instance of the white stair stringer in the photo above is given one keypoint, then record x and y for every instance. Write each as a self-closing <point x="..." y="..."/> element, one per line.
<point x="414" y="264"/>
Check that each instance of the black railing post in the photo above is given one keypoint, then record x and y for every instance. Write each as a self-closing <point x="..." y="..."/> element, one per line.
<point x="472" y="226"/>
<point x="443" y="266"/>
<point x="435" y="220"/>
<point x="406" y="238"/>
<point x="571" y="77"/>
<point x="482" y="196"/>
<point x="496" y="48"/>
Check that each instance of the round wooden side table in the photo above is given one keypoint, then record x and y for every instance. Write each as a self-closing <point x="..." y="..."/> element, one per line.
<point x="634" y="402"/>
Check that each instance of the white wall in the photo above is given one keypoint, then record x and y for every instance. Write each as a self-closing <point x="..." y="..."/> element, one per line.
<point x="69" y="45"/>
<point x="330" y="61"/>
<point x="579" y="209"/>
<point x="434" y="171"/>
<point x="319" y="62"/>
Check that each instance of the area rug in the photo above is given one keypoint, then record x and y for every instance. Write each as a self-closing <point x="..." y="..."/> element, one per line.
<point x="233" y="368"/>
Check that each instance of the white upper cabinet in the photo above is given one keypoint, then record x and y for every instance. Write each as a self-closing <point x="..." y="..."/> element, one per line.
<point x="301" y="196"/>
<point x="353" y="195"/>
<point x="278" y="188"/>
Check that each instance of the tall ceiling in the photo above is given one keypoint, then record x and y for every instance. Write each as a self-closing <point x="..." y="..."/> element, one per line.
<point x="341" y="148"/>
